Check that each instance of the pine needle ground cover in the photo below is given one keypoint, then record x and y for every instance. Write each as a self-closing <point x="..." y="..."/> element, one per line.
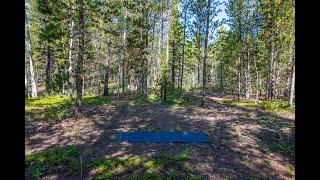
<point x="244" y="141"/>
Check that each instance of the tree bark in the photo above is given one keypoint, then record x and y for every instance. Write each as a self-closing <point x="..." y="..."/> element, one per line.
<point x="79" y="68"/>
<point x="221" y="76"/>
<point x="205" y="55"/>
<point x="48" y="70"/>
<point x="25" y="86"/>
<point x="173" y="67"/>
<point x="248" y="76"/>
<point x="29" y="52"/>
<point x="257" y="79"/>
<point x="106" y="82"/>
<point x="239" y="76"/>
<point x="165" y="73"/>
<point x="123" y="50"/>
<point x="198" y="71"/>
<point x="160" y="42"/>
<point x="99" y="83"/>
<point x="70" y="75"/>
<point x="271" y="74"/>
<point x="199" y="54"/>
<point x="106" y="74"/>
<point x="184" y="41"/>
<point x="145" y="49"/>
<point x="292" y="81"/>
<point x="168" y="35"/>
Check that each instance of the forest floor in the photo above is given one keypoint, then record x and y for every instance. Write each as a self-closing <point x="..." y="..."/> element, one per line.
<point x="246" y="141"/>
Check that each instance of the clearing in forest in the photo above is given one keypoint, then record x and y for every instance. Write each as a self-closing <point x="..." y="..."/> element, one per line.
<point x="247" y="140"/>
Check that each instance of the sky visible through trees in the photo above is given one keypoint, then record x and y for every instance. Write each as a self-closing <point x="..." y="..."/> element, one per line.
<point x="250" y="46"/>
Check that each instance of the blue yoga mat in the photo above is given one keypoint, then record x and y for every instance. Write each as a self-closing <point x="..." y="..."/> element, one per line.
<point x="161" y="137"/>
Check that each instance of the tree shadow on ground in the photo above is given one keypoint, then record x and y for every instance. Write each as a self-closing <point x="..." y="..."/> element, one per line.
<point x="243" y="140"/>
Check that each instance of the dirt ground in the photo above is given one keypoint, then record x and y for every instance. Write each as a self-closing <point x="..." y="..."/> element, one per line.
<point x="243" y="144"/>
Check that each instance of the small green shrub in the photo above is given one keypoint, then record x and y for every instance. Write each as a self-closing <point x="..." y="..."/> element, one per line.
<point x="152" y="175"/>
<point x="273" y="105"/>
<point x="267" y="162"/>
<point x="35" y="171"/>
<point x="290" y="172"/>
<point x="246" y="114"/>
<point x="74" y="166"/>
<point x="286" y="149"/>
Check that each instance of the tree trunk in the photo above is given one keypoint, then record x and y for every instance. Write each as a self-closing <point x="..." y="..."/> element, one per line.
<point x="165" y="73"/>
<point x="160" y="42"/>
<point x="179" y="73"/>
<point x="205" y="55"/>
<point x="271" y="74"/>
<point x="286" y="93"/>
<point x="184" y="41"/>
<point x="248" y="76"/>
<point x="165" y="90"/>
<point x="106" y="74"/>
<point x="173" y="67"/>
<point x="33" y="82"/>
<point x="119" y="79"/>
<point x="221" y="77"/>
<point x="153" y="77"/>
<point x="292" y="81"/>
<point x="48" y="70"/>
<point x="239" y="76"/>
<point x="257" y="79"/>
<point x="292" y="88"/>
<point x="198" y="54"/>
<point x="70" y="75"/>
<point x="106" y="82"/>
<point x="168" y="35"/>
<point x="79" y="67"/>
<point x="276" y="82"/>
<point x="29" y="50"/>
<point x="123" y="50"/>
<point x="26" y="86"/>
<point x="145" y="49"/>
<point x="198" y="72"/>
<point x="92" y="80"/>
<point x="99" y="83"/>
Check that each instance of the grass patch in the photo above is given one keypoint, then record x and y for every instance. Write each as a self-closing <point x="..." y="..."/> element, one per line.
<point x="285" y="148"/>
<point x="138" y="100"/>
<point x="172" y="99"/>
<point x="95" y="100"/>
<point x="53" y="160"/>
<point x="276" y="106"/>
<point x="161" y="166"/>
<point x="237" y="138"/>
<point x="266" y="105"/>
<point x="175" y="99"/>
<point x="265" y="148"/>
<point x="59" y="107"/>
